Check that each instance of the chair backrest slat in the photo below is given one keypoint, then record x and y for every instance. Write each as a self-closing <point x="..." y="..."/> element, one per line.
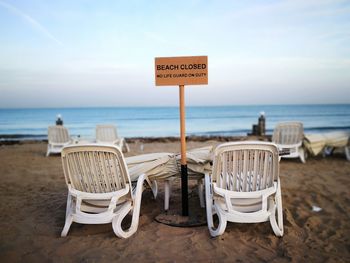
<point x="102" y="170"/>
<point x="87" y="180"/>
<point x="248" y="171"/>
<point x="234" y="171"/>
<point x="245" y="166"/>
<point x="95" y="169"/>
<point x="229" y="171"/>
<point x="224" y="170"/>
<point x="255" y="171"/>
<point x="97" y="182"/>
<point x="266" y="170"/>
<point x="240" y="170"/>
<point x="73" y="168"/>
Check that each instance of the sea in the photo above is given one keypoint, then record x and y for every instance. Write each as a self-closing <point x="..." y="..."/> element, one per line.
<point x="32" y="124"/>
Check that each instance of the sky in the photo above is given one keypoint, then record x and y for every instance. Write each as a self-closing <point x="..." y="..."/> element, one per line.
<point x="101" y="53"/>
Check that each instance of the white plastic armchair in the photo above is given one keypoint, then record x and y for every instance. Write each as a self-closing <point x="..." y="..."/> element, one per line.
<point x="244" y="186"/>
<point x="290" y="135"/>
<point x="58" y="137"/>
<point x="99" y="188"/>
<point x="107" y="133"/>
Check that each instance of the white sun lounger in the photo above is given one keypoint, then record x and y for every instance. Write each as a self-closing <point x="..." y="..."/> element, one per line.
<point x="289" y="136"/>
<point x="107" y="133"/>
<point x="58" y="137"/>
<point x="99" y="188"/>
<point x="244" y="186"/>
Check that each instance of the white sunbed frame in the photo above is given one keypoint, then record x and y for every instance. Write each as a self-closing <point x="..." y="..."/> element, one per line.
<point x="244" y="186"/>
<point x="58" y="137"/>
<point x="107" y="133"/>
<point x="99" y="188"/>
<point x="289" y="136"/>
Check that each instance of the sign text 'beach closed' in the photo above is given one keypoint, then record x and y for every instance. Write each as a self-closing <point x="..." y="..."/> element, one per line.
<point x="170" y="71"/>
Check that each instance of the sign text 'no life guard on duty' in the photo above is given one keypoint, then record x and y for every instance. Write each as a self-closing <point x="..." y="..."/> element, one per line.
<point x="171" y="71"/>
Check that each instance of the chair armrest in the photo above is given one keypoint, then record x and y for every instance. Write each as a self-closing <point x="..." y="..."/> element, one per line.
<point x="262" y="194"/>
<point x="94" y="196"/>
<point x="234" y="194"/>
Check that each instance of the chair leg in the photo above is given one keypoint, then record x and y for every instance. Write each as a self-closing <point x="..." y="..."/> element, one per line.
<point x="276" y="206"/>
<point x="167" y="192"/>
<point x="117" y="221"/>
<point x="126" y="146"/>
<point x="327" y="151"/>
<point x="154" y="186"/>
<point x="222" y="224"/>
<point x="347" y="152"/>
<point x="69" y="216"/>
<point x="302" y="154"/>
<point x="67" y="224"/>
<point x="201" y="193"/>
<point x="48" y="151"/>
<point x="209" y="202"/>
<point x="212" y="210"/>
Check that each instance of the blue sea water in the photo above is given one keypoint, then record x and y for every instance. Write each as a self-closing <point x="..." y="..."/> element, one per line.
<point x="164" y="121"/>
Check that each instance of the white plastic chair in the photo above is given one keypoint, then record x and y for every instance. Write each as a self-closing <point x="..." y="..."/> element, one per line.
<point x="107" y="133"/>
<point x="289" y="136"/>
<point x="244" y="186"/>
<point x="99" y="188"/>
<point x="58" y="137"/>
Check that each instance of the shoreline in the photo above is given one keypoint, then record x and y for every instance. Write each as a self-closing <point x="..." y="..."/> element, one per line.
<point x="224" y="134"/>
<point x="190" y="138"/>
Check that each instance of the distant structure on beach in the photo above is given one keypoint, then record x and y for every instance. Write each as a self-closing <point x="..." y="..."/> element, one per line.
<point x="59" y="120"/>
<point x="260" y="128"/>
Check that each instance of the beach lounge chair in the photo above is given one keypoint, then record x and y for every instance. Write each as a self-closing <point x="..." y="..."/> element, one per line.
<point x="244" y="186"/>
<point x="107" y="133"/>
<point x="99" y="188"/>
<point x="289" y="136"/>
<point x="58" y="137"/>
<point x="328" y="142"/>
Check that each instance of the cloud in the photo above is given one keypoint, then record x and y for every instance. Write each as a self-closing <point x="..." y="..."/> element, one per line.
<point x="31" y="21"/>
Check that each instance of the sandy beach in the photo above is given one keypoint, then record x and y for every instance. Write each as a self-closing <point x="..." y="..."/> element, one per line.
<point x="33" y="195"/>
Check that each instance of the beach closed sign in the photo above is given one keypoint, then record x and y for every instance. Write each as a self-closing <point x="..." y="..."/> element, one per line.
<point x="170" y="71"/>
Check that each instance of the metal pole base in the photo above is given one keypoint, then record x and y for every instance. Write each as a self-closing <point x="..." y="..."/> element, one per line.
<point x="173" y="217"/>
<point x="177" y="220"/>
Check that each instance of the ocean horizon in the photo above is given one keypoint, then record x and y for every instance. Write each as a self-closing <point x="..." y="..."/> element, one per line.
<point x="161" y="121"/>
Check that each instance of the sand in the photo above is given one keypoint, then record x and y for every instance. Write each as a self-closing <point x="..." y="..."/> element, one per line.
<point x="33" y="199"/>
